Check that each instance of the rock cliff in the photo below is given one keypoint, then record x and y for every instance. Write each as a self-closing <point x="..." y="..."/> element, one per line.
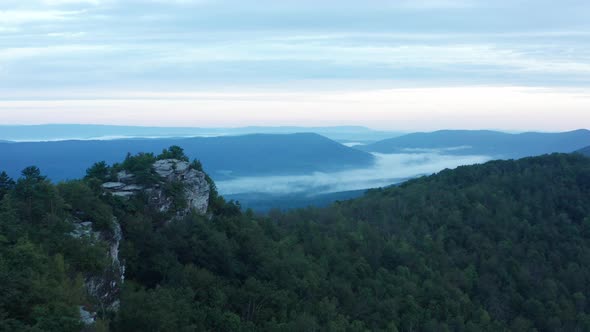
<point x="195" y="188"/>
<point x="102" y="288"/>
<point x="175" y="188"/>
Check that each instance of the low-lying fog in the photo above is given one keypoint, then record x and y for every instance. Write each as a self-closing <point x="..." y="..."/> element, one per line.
<point x="388" y="169"/>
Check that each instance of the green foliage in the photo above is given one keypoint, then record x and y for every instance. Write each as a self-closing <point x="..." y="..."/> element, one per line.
<point x="86" y="204"/>
<point x="464" y="250"/>
<point x="100" y="171"/>
<point x="41" y="265"/>
<point x="141" y="166"/>
<point x="173" y="152"/>
<point x="36" y="197"/>
<point x="6" y="184"/>
<point x="175" y="190"/>
<point x="503" y="246"/>
<point x="36" y="291"/>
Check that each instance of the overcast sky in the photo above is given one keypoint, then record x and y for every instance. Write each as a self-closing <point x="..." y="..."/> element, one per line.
<point x="400" y="65"/>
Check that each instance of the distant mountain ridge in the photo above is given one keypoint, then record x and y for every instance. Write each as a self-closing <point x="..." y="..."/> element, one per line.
<point x="225" y="157"/>
<point x="485" y="142"/>
<point x="61" y="132"/>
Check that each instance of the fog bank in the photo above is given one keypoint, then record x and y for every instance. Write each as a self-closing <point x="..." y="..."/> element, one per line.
<point x="388" y="169"/>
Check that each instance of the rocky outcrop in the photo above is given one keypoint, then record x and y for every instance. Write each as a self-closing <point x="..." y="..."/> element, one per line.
<point x="102" y="288"/>
<point x="105" y="288"/>
<point x="196" y="189"/>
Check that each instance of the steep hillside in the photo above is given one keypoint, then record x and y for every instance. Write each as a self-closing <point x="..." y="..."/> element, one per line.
<point x="60" y="245"/>
<point x="492" y="143"/>
<point x="223" y="157"/>
<point x="502" y="246"/>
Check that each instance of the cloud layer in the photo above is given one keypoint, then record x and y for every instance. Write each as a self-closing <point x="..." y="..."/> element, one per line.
<point x="57" y="47"/>
<point x="389" y="169"/>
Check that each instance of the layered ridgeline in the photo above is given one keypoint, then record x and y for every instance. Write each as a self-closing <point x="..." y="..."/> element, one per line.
<point x="493" y="247"/>
<point x="483" y="142"/>
<point x="585" y="151"/>
<point x="60" y="132"/>
<point x="223" y="157"/>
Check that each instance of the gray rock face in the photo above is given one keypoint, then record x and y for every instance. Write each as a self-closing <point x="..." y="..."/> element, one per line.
<point x="196" y="187"/>
<point x="104" y="287"/>
<point x="83" y="229"/>
<point x="88" y="318"/>
<point x="113" y="185"/>
<point x="125" y="177"/>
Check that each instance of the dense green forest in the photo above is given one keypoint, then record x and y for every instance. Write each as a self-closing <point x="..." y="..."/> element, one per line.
<point x="503" y="246"/>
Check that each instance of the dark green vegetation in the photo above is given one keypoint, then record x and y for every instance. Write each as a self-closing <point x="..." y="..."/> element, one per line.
<point x="41" y="266"/>
<point x="262" y="203"/>
<point x="223" y="157"/>
<point x="484" y="142"/>
<point x="503" y="246"/>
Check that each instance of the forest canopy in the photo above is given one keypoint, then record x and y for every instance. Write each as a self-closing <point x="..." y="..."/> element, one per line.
<point x="502" y="246"/>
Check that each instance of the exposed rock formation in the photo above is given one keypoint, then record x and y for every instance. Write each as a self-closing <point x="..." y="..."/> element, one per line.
<point x="103" y="288"/>
<point x="196" y="187"/>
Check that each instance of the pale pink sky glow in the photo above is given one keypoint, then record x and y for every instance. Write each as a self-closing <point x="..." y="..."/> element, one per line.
<point x="508" y="108"/>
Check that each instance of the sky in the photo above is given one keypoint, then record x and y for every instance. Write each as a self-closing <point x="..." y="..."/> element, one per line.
<point x="400" y="65"/>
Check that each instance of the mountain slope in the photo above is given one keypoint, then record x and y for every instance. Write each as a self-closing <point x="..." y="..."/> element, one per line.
<point x="501" y="246"/>
<point x="484" y="142"/>
<point x="492" y="234"/>
<point x="259" y="154"/>
<point x="463" y="250"/>
<point x="585" y="151"/>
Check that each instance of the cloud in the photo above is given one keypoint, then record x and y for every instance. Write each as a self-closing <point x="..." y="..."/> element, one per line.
<point x="72" y="2"/>
<point x="389" y="169"/>
<point x="401" y="56"/>
<point x="17" y="17"/>
<point x="22" y="53"/>
<point x="434" y="4"/>
<point x="181" y="2"/>
<point x="128" y="45"/>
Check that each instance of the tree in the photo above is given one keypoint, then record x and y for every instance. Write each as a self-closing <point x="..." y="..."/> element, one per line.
<point x="173" y="152"/>
<point x="33" y="174"/>
<point x="6" y="184"/>
<point x="141" y="165"/>
<point x="99" y="170"/>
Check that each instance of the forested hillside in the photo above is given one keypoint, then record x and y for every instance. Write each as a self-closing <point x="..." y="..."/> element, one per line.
<point x="503" y="246"/>
<point x="485" y="142"/>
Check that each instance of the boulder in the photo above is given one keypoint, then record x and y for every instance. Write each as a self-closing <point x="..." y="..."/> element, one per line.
<point x="113" y="185"/>
<point x="125" y="177"/>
